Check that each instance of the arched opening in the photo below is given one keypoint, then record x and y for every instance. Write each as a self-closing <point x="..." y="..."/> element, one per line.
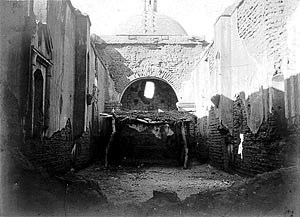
<point x="38" y="99"/>
<point x="149" y="94"/>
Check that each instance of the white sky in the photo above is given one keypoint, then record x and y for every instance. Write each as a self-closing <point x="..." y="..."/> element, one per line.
<point x="197" y="17"/>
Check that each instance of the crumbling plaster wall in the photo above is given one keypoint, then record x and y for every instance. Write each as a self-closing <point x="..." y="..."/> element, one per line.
<point x="292" y="70"/>
<point x="250" y="42"/>
<point x="18" y="33"/>
<point x="61" y="22"/>
<point x="254" y="65"/>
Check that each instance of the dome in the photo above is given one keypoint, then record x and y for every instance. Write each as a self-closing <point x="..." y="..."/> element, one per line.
<point x="151" y="24"/>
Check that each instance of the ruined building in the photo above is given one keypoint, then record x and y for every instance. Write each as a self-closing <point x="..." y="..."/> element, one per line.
<point x="253" y="83"/>
<point x="54" y="84"/>
<point x="150" y="47"/>
<point x="57" y="80"/>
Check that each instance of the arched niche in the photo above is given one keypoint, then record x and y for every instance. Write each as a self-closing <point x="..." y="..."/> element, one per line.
<point x="134" y="97"/>
<point x="38" y="103"/>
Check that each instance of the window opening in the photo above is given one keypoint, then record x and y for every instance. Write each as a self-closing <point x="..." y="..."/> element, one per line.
<point x="149" y="90"/>
<point x="240" y="150"/>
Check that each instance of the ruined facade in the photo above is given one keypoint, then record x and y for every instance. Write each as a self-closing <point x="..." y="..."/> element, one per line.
<point x="56" y="80"/>
<point x="252" y="105"/>
<point x="150" y="49"/>
<point x="53" y="80"/>
<point x="146" y="47"/>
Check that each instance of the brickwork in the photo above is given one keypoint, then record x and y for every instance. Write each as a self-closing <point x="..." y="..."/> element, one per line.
<point x="216" y="141"/>
<point x="83" y="150"/>
<point x="169" y="60"/>
<point x="54" y="153"/>
<point x="258" y="48"/>
<point x="262" y="24"/>
<point x="201" y="137"/>
<point x="59" y="48"/>
<point x="265" y="151"/>
<point x="192" y="139"/>
<point x="111" y="105"/>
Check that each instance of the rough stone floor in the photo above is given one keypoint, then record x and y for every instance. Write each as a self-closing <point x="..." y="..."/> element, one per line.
<point x="123" y="185"/>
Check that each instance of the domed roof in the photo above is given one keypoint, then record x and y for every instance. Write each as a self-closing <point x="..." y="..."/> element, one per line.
<point x="150" y="24"/>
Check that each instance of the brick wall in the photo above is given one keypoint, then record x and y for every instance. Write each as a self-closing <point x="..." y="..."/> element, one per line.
<point x="268" y="149"/>
<point x="262" y="24"/>
<point x="83" y="150"/>
<point x="61" y="22"/>
<point x="258" y="51"/>
<point x="216" y="141"/>
<point x="54" y="153"/>
<point x="171" y="60"/>
<point x="201" y="129"/>
<point x="53" y="149"/>
<point x="111" y="105"/>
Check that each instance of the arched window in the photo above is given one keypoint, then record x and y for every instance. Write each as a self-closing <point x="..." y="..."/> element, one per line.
<point x="149" y="90"/>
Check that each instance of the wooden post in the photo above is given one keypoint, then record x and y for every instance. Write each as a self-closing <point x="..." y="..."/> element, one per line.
<point x="177" y="136"/>
<point x="112" y="137"/>
<point x="186" y="150"/>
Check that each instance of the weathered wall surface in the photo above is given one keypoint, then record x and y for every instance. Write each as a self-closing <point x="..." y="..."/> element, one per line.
<point x="272" y="42"/>
<point x="15" y="35"/>
<point x="266" y="150"/>
<point x="170" y="59"/>
<point x="253" y="53"/>
<point x="259" y="152"/>
<point x="29" y="47"/>
<point x="82" y="75"/>
<point x="292" y="70"/>
<point x="53" y="153"/>
<point x="15" y="53"/>
<point x="61" y="22"/>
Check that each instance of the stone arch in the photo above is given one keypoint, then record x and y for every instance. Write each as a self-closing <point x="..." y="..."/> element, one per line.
<point x="173" y="79"/>
<point x="164" y="98"/>
<point x="148" y="78"/>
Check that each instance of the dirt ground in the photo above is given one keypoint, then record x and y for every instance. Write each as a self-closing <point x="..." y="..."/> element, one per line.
<point x="125" y="185"/>
<point x="143" y="190"/>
